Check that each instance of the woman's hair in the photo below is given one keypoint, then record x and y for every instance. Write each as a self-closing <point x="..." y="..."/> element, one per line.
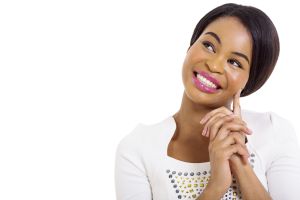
<point x="265" y="47"/>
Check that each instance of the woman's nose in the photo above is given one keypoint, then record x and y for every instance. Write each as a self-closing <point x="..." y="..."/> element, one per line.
<point x="215" y="66"/>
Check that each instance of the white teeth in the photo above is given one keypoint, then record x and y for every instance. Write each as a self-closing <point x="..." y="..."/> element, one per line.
<point x="205" y="81"/>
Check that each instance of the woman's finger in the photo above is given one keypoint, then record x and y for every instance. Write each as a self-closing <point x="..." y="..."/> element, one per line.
<point x="244" y="159"/>
<point x="231" y="127"/>
<point x="214" y="126"/>
<point x="238" y="149"/>
<point x="213" y="112"/>
<point x="242" y="135"/>
<point x="234" y="138"/>
<point x="212" y="120"/>
<point x="236" y="104"/>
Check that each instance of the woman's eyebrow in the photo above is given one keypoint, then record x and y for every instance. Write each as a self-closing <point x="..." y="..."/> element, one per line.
<point x="219" y="41"/>
<point x="242" y="55"/>
<point x="215" y="36"/>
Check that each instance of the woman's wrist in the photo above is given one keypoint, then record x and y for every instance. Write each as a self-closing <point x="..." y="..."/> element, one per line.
<point x="211" y="192"/>
<point x="249" y="184"/>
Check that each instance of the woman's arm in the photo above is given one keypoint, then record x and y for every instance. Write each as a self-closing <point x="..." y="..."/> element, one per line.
<point x="210" y="193"/>
<point x="249" y="184"/>
<point x="131" y="181"/>
<point x="283" y="172"/>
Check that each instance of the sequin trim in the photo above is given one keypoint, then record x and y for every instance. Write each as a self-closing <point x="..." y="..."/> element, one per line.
<point x="189" y="185"/>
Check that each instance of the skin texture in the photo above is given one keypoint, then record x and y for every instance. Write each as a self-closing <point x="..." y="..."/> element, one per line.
<point x="207" y="130"/>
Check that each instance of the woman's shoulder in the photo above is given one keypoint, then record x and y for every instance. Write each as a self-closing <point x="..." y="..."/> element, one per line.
<point x="269" y="126"/>
<point x="253" y="116"/>
<point x="143" y="134"/>
<point x="265" y="119"/>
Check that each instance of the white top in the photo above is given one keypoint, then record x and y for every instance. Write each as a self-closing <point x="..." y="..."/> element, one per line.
<point x="144" y="171"/>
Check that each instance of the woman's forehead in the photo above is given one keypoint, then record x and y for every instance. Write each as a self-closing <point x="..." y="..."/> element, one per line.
<point x="232" y="34"/>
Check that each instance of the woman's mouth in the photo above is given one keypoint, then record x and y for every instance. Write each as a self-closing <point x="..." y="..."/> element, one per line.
<point x="205" y="82"/>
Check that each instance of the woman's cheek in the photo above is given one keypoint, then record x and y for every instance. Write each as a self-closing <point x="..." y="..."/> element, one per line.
<point x="238" y="78"/>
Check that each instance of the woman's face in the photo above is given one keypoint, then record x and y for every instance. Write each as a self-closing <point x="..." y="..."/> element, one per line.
<point x="217" y="65"/>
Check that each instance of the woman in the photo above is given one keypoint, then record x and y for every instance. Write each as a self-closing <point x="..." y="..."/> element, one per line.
<point x="202" y="152"/>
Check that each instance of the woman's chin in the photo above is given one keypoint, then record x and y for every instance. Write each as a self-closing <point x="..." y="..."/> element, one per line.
<point x="210" y="101"/>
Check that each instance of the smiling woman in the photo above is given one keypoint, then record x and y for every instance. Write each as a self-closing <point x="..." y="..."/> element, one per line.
<point x="221" y="51"/>
<point x="211" y="148"/>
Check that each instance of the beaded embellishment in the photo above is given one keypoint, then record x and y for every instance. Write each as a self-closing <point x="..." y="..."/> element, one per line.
<point x="189" y="185"/>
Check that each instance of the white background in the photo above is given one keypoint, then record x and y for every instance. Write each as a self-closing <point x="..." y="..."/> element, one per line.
<point x="77" y="76"/>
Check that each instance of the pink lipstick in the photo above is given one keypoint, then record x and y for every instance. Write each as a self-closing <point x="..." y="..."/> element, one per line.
<point x="210" y="78"/>
<point x="205" y="83"/>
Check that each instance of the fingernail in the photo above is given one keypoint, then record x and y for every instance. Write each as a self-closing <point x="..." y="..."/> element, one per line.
<point x="202" y="120"/>
<point x="207" y="133"/>
<point x="203" y="131"/>
<point x="249" y="130"/>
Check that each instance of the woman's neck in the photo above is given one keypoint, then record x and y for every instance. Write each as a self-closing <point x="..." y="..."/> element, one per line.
<point x="188" y="127"/>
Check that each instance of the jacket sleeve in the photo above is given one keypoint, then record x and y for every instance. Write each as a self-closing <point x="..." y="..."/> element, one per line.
<point x="131" y="181"/>
<point x="283" y="175"/>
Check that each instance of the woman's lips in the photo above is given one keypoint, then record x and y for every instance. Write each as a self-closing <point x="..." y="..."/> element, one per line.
<point x="208" y="77"/>
<point x="205" y="83"/>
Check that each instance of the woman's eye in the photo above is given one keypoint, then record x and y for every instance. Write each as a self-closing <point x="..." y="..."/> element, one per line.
<point x="209" y="46"/>
<point x="235" y="63"/>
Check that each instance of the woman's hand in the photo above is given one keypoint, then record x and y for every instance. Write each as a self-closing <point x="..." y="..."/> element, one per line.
<point x="221" y="148"/>
<point x="210" y="118"/>
<point x="223" y="128"/>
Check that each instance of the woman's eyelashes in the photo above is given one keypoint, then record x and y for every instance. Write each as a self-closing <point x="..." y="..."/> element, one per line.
<point x="235" y="63"/>
<point x="210" y="47"/>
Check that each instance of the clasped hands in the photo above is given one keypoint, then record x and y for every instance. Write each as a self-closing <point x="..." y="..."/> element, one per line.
<point x="227" y="133"/>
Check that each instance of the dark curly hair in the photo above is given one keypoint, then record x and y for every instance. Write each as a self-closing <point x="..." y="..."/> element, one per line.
<point x="265" y="47"/>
